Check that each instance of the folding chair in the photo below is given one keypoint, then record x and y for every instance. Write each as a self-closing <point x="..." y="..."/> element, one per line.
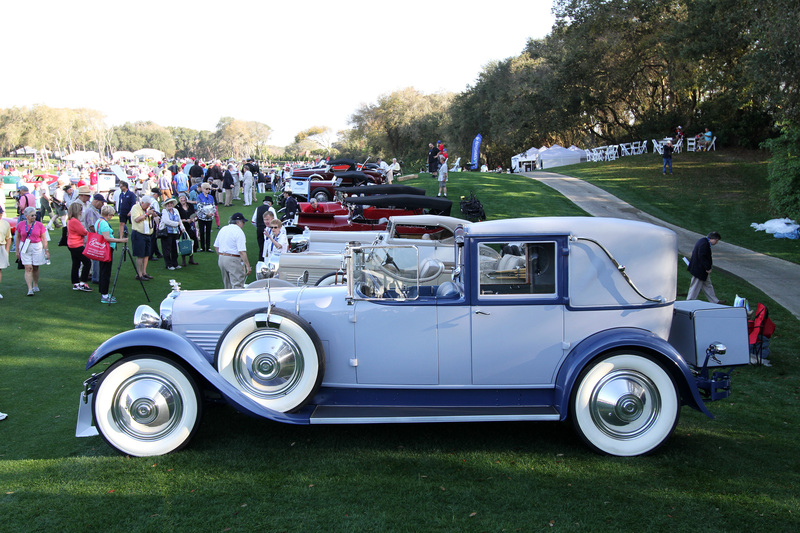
<point x="635" y="148"/>
<point x="691" y="144"/>
<point x="625" y="149"/>
<point x="678" y="146"/>
<point x="612" y="152"/>
<point x="713" y="145"/>
<point x="759" y="331"/>
<point x="657" y="147"/>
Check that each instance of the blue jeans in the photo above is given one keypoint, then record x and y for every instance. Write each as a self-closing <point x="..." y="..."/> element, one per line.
<point x="667" y="161"/>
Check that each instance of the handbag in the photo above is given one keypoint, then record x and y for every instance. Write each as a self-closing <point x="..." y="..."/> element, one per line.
<point x="97" y="249"/>
<point x="23" y="248"/>
<point x="162" y="231"/>
<point x="185" y="245"/>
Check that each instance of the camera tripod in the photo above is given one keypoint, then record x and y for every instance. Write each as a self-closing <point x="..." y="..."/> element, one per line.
<point x="126" y="253"/>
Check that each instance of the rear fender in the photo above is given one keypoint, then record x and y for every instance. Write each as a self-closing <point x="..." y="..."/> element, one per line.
<point x="632" y="339"/>
<point x="184" y="351"/>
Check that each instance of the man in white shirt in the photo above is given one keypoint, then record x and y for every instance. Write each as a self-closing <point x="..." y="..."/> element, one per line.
<point x="231" y="248"/>
<point x="394" y="168"/>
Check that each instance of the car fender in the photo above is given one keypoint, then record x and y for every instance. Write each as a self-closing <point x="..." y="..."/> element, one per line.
<point x="171" y="344"/>
<point x="627" y="338"/>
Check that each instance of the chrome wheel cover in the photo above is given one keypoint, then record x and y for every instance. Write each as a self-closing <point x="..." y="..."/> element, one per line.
<point x="268" y="364"/>
<point x="147" y="407"/>
<point x="625" y="404"/>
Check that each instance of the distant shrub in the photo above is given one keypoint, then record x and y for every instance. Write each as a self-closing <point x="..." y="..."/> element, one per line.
<point x="784" y="172"/>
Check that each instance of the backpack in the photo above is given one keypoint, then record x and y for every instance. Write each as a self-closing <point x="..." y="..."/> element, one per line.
<point x="472" y="208"/>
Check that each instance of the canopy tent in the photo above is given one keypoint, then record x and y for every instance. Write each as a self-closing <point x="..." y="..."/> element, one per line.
<point x="26" y="150"/>
<point x="149" y="153"/>
<point x="82" y="156"/>
<point x="526" y="161"/>
<point x="558" y="156"/>
<point x="122" y="154"/>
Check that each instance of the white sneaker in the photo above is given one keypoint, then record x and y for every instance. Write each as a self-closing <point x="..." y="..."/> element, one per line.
<point x="1" y="296"/>
<point x="76" y="286"/>
<point x="36" y="289"/>
<point x="3" y="416"/>
<point x="170" y="268"/>
<point x="30" y="292"/>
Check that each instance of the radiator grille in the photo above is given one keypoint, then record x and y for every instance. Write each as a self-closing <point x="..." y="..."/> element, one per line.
<point x="207" y="340"/>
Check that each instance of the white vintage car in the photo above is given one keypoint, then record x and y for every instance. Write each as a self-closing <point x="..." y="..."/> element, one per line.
<point x="538" y="320"/>
<point x="323" y="251"/>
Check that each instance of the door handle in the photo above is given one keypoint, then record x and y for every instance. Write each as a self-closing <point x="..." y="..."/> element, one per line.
<point x="479" y="312"/>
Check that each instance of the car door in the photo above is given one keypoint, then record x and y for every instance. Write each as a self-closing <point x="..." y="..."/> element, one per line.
<point x="395" y="329"/>
<point x="517" y="316"/>
<point x="396" y="343"/>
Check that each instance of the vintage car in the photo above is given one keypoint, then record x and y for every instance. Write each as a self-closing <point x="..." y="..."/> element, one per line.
<point x="341" y="172"/>
<point x="12" y="222"/>
<point x="366" y="213"/>
<point x="322" y="254"/>
<point x="540" y="321"/>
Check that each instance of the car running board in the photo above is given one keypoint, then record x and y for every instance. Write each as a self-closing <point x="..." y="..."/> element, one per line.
<point x="357" y="414"/>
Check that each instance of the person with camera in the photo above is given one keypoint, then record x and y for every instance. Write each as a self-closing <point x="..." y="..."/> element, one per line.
<point x="206" y="209"/>
<point x="142" y="221"/>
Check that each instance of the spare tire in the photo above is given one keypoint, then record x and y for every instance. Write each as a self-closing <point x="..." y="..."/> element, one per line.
<point x="275" y="358"/>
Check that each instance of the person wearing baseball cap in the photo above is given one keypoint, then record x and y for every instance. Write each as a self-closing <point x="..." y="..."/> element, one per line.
<point x="231" y="247"/>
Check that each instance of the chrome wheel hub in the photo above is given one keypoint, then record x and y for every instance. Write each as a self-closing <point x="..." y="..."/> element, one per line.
<point x="268" y="364"/>
<point x="146" y="406"/>
<point x="625" y="404"/>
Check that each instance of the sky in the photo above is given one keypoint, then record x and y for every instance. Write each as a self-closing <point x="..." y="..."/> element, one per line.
<point x="290" y="65"/>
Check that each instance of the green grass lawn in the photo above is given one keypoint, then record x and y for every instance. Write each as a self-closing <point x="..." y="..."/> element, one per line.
<point x="738" y="472"/>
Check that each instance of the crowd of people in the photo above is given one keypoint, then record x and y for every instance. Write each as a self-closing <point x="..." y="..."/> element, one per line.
<point x="158" y="207"/>
<point x="189" y="193"/>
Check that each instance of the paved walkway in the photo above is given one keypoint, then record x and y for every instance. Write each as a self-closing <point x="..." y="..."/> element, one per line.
<point x="778" y="278"/>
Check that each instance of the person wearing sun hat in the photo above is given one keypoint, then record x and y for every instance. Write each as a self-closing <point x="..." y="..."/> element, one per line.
<point x="171" y="222"/>
<point x="84" y="196"/>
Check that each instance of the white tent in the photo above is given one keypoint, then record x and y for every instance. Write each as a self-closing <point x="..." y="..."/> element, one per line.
<point x="122" y="154"/>
<point x="82" y="156"/>
<point x="149" y="153"/>
<point x="526" y="161"/>
<point x="26" y="150"/>
<point x="558" y="156"/>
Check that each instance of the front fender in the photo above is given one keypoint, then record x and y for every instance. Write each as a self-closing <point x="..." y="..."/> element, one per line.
<point x="627" y="338"/>
<point x="162" y="341"/>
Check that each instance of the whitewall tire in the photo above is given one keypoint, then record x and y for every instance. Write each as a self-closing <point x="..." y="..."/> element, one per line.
<point x="146" y="405"/>
<point x="279" y="366"/>
<point x="625" y="404"/>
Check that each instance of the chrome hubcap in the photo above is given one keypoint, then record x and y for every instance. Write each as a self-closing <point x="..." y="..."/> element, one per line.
<point x="147" y="406"/>
<point x="268" y="364"/>
<point x="625" y="404"/>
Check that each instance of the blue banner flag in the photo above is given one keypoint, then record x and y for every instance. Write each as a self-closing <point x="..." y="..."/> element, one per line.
<point x="476" y="150"/>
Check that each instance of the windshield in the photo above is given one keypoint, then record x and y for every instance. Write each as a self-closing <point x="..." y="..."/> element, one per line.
<point x="385" y="271"/>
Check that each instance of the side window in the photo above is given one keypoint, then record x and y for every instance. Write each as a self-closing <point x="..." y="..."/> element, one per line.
<point x="516" y="268"/>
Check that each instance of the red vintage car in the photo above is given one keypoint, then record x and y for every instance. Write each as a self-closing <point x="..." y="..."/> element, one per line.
<point x="11" y="222"/>
<point x="366" y="213"/>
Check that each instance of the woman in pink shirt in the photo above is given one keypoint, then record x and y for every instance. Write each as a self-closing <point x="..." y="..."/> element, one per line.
<point x="35" y="253"/>
<point x="76" y="234"/>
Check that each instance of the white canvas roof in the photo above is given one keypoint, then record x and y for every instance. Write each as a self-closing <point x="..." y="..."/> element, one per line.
<point x="558" y="156"/>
